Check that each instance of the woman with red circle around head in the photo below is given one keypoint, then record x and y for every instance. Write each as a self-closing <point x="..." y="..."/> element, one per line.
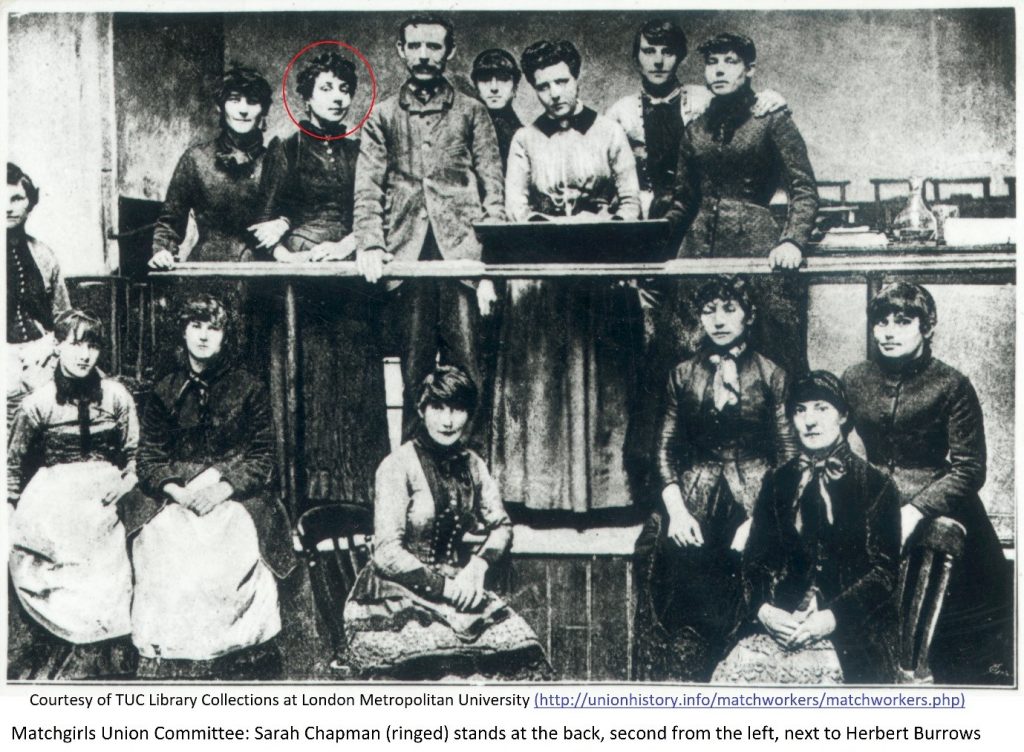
<point x="310" y="198"/>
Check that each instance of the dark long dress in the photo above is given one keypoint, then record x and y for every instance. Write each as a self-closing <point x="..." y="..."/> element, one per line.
<point x="730" y="166"/>
<point x="570" y="352"/>
<point x="850" y="563"/>
<point x="690" y="600"/>
<point x="923" y="423"/>
<point x="342" y="378"/>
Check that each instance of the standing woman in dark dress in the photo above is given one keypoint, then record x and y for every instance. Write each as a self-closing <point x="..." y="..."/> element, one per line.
<point x="723" y="428"/>
<point x="921" y="420"/>
<point x="730" y="165"/>
<point x="311" y="191"/>
<point x="219" y="181"/>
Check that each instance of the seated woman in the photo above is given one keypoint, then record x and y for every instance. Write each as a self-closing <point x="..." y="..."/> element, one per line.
<point x="70" y="457"/>
<point x="822" y="562"/>
<point x="730" y="166"/>
<point x="36" y="296"/>
<point x="570" y="351"/>
<point x="421" y="609"/>
<point x="211" y="532"/>
<point x="921" y="419"/>
<point x="723" y="428"/>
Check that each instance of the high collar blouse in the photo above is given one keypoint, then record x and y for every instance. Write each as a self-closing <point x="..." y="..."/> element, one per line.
<point x="225" y="203"/>
<point x="698" y="443"/>
<point x="580" y="164"/>
<point x="923" y="423"/>
<point x="49" y="431"/>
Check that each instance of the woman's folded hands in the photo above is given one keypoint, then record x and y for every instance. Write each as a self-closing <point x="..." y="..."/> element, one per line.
<point x="465" y="590"/>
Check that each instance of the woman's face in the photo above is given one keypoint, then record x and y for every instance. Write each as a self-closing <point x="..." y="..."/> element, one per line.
<point x="818" y="423"/>
<point x="724" y="321"/>
<point x="557" y="89"/>
<point x="657" y="62"/>
<point x="445" y="424"/>
<point x="203" y="340"/>
<point x="17" y="205"/>
<point x="330" y="99"/>
<point x="496" y="91"/>
<point x="77" y="357"/>
<point x="726" y="72"/>
<point x="899" y="336"/>
<point x="241" y="113"/>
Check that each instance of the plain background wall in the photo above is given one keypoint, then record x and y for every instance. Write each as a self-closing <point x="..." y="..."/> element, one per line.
<point x="60" y="131"/>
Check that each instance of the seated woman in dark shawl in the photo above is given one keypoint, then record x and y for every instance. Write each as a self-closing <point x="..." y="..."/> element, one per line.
<point x="822" y="562"/>
<point x="210" y="534"/>
<point x="421" y="609"/>
<point x="723" y="428"/>
<point x="921" y="419"/>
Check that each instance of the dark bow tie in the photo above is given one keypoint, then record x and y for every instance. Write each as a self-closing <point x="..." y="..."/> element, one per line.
<point x="829" y="468"/>
<point x="825" y="471"/>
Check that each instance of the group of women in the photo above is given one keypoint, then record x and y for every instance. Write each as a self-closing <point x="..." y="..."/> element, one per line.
<point x="171" y="536"/>
<point x="775" y="554"/>
<point x="773" y="551"/>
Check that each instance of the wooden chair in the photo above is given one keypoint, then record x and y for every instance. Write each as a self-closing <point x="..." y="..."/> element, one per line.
<point x="335" y="541"/>
<point x="937" y="183"/>
<point x="924" y="578"/>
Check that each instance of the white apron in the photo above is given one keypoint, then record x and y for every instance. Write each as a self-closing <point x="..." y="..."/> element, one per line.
<point x="201" y="588"/>
<point x="69" y="562"/>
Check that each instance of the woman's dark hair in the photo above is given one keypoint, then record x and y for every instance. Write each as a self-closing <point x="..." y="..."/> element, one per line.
<point x="448" y="385"/>
<point x="495" y="64"/>
<point x="429" y="19"/>
<point x="203" y="308"/>
<point x="818" y="385"/>
<point x="663" y="32"/>
<point x="246" y="82"/>
<point x="728" y="42"/>
<point x="726" y="287"/>
<point x="907" y="299"/>
<point x="544" y="54"/>
<point x="326" y="62"/>
<point x="83" y="325"/>
<point x="15" y="176"/>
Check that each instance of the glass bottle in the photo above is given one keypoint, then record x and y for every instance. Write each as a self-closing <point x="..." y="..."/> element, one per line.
<point x="916" y="223"/>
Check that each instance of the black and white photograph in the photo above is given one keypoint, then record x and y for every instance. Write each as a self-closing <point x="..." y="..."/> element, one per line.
<point x="498" y="346"/>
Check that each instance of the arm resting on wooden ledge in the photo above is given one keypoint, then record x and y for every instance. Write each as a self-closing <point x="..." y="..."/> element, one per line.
<point x="833" y="264"/>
